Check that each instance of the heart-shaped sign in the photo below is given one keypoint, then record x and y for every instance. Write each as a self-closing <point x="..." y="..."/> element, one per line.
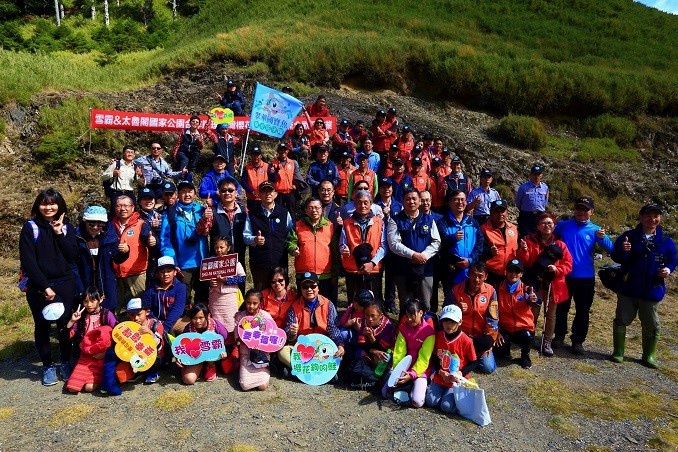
<point x="192" y="346"/>
<point x="307" y="352"/>
<point x="261" y="333"/>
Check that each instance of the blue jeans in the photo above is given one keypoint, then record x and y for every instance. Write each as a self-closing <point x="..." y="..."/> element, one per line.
<point x="486" y="363"/>
<point x="440" y="396"/>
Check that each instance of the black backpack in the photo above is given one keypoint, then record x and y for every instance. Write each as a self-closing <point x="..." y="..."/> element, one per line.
<point x="611" y="276"/>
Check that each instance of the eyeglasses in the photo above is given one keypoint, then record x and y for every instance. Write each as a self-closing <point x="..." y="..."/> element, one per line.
<point x="124" y="206"/>
<point x="155" y="148"/>
<point x="93" y="224"/>
<point x="309" y="286"/>
<point x="326" y="190"/>
<point x="278" y="281"/>
<point x="546" y="223"/>
<point x="314" y="207"/>
<point x="227" y="190"/>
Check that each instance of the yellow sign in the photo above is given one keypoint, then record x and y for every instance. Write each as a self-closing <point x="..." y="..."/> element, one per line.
<point x="140" y="350"/>
<point x="221" y="115"/>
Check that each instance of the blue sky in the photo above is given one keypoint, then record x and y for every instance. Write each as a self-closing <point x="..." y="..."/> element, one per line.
<point x="670" y="6"/>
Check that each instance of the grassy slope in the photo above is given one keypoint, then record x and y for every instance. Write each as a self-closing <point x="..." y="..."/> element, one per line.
<point x="527" y="56"/>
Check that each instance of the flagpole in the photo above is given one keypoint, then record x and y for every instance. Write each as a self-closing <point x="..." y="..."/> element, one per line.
<point x="244" y="150"/>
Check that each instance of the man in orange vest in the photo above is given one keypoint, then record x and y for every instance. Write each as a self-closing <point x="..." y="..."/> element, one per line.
<point x="256" y="171"/>
<point x="362" y="246"/>
<point x="312" y="243"/>
<point x="501" y="242"/>
<point x="310" y="313"/>
<point x="283" y="172"/>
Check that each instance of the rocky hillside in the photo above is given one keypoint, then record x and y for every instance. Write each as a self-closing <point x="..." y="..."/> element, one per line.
<point x="466" y="132"/>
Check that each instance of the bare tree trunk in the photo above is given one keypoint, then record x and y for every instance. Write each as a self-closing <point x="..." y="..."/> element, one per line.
<point x="106" y="17"/>
<point x="56" y="10"/>
<point x="61" y="9"/>
<point x="174" y="9"/>
<point x="94" y="12"/>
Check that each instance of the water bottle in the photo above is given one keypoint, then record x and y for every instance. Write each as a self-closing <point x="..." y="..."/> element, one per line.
<point x="381" y="367"/>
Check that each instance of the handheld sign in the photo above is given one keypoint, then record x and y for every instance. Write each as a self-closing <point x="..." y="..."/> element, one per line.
<point x="261" y="333"/>
<point x="140" y="350"/>
<point x="218" y="266"/>
<point x="313" y="360"/>
<point x="449" y="361"/>
<point x="398" y="371"/>
<point x="221" y="115"/>
<point x="196" y="348"/>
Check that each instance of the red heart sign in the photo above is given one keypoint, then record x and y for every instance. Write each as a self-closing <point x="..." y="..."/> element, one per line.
<point x="192" y="347"/>
<point x="307" y="352"/>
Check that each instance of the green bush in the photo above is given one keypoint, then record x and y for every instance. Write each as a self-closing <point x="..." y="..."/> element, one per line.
<point x="66" y="134"/>
<point x="621" y="130"/>
<point x="601" y="150"/>
<point x="523" y="131"/>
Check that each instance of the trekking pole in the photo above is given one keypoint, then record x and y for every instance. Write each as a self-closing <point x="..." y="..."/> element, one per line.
<point x="546" y="307"/>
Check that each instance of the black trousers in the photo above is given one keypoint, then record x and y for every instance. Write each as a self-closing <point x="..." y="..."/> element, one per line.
<point x="582" y="291"/>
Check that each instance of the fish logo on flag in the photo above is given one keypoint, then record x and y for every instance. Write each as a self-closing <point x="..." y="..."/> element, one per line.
<point x="273" y="111"/>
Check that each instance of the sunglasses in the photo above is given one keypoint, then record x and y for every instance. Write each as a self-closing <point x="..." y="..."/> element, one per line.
<point x="309" y="286"/>
<point x="279" y="281"/>
<point x="227" y="190"/>
<point x="156" y="148"/>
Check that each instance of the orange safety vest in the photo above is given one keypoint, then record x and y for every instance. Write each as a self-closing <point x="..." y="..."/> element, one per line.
<point x="421" y="182"/>
<point x="344" y="174"/>
<point x="515" y="313"/>
<point x="285" y="182"/>
<point x="314" y="248"/>
<point x="474" y="310"/>
<point x="278" y="310"/>
<point x="255" y="176"/>
<point x="353" y="238"/>
<point x="507" y="247"/>
<point x="303" y="315"/>
<point x="137" y="262"/>
<point x="369" y="177"/>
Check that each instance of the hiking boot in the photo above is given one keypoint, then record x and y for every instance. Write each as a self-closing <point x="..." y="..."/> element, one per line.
<point x="649" y="350"/>
<point x="49" y="376"/>
<point x="152" y="378"/>
<point x="210" y="372"/>
<point x="546" y="349"/>
<point x="577" y="349"/>
<point x="557" y="342"/>
<point x="65" y="370"/>
<point x="619" y="343"/>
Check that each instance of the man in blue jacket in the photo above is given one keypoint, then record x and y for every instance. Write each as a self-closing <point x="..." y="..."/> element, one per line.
<point x="322" y="169"/>
<point x="581" y="236"/>
<point x="647" y="257"/>
<point x="183" y="240"/>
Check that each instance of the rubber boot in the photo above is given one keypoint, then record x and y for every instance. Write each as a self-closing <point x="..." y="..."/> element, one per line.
<point x="649" y="350"/>
<point x="619" y="342"/>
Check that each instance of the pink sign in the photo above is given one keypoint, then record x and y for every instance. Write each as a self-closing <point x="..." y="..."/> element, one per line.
<point x="261" y="333"/>
<point x="218" y="266"/>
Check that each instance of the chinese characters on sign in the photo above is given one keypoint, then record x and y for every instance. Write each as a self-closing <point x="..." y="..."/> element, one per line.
<point x="218" y="266"/>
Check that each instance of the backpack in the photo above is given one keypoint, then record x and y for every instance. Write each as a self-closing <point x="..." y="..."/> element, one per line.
<point x="108" y="184"/>
<point x="611" y="276"/>
<point x="23" y="278"/>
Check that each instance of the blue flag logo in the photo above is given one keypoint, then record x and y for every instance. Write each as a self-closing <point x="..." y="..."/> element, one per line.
<point x="273" y="111"/>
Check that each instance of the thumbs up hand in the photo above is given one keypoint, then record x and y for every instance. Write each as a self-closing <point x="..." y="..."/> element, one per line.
<point x="523" y="244"/>
<point x="259" y="240"/>
<point x="208" y="201"/>
<point x="600" y="233"/>
<point x="626" y="246"/>
<point x="532" y="295"/>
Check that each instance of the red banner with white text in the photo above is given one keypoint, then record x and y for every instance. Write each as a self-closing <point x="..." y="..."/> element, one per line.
<point x="161" y="122"/>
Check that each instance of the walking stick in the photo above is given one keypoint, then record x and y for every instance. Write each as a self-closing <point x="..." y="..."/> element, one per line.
<point x="546" y="307"/>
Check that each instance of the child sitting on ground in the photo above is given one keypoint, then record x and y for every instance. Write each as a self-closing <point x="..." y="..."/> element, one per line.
<point x="254" y="364"/>
<point x="141" y="314"/>
<point x="376" y="338"/>
<point x="91" y="329"/>
<point x="352" y="320"/>
<point x="200" y="321"/>
<point x="455" y="356"/>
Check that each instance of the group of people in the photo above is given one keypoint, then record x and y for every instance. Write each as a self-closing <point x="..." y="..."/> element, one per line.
<point x="378" y="209"/>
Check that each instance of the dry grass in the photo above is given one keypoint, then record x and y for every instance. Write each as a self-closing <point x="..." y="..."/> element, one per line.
<point x="563" y="425"/>
<point x="241" y="448"/>
<point x="6" y="413"/>
<point x="172" y="400"/>
<point x="70" y="415"/>
<point x="667" y="437"/>
<point x="568" y="398"/>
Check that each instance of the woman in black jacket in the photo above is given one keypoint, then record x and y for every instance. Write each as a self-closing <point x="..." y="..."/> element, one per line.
<point x="47" y="250"/>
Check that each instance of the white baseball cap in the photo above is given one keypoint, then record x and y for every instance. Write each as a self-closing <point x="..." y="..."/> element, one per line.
<point x="451" y="312"/>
